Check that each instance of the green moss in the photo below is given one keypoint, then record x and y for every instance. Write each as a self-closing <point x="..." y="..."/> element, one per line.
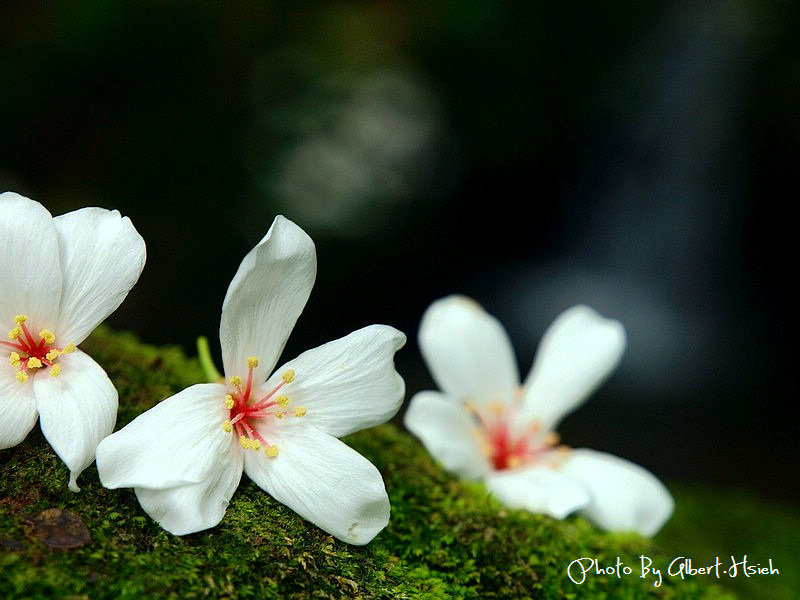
<point x="708" y="524"/>
<point x="446" y="539"/>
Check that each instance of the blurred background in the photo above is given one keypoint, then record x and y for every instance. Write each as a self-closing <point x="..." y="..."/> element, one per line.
<point x="641" y="158"/>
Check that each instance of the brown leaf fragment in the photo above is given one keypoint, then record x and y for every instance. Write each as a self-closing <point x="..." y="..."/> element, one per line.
<point x="58" y="528"/>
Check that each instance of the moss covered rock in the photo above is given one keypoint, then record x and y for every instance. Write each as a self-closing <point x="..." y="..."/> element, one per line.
<point x="446" y="539"/>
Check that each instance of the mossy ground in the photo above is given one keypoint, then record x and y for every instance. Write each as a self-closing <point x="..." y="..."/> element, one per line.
<point x="446" y="539"/>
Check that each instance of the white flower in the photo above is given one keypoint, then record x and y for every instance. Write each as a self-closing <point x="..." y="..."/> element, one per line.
<point x="185" y="456"/>
<point x="484" y="425"/>
<point x="61" y="277"/>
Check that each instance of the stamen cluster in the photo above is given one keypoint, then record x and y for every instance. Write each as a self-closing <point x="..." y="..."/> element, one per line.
<point x="28" y="354"/>
<point x="507" y="449"/>
<point x="243" y="409"/>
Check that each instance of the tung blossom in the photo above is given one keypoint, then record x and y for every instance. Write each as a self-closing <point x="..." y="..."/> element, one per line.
<point x="61" y="277"/>
<point x="484" y="425"/>
<point x="185" y="456"/>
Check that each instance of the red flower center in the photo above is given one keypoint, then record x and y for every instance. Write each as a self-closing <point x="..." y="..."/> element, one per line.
<point x="244" y="409"/>
<point x="506" y="448"/>
<point x="27" y="354"/>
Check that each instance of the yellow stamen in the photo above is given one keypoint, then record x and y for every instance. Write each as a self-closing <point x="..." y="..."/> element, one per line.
<point x="279" y="415"/>
<point x="514" y="462"/>
<point x="299" y="411"/>
<point x="15" y="333"/>
<point x="252" y="362"/>
<point x="244" y="441"/>
<point x="282" y="401"/>
<point x="68" y="348"/>
<point x="271" y="451"/>
<point x="236" y="381"/>
<point x="486" y="447"/>
<point x="229" y="402"/>
<point x="227" y="427"/>
<point x="55" y="370"/>
<point x="255" y="445"/>
<point x="14" y="358"/>
<point x="551" y="439"/>
<point x="47" y="335"/>
<point x="20" y="319"/>
<point x="535" y="427"/>
<point x="52" y="354"/>
<point x="288" y="376"/>
<point x="496" y="408"/>
<point x="34" y="363"/>
<point x="22" y="376"/>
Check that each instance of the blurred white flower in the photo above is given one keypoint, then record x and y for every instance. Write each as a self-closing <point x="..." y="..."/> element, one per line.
<point x="484" y="425"/>
<point x="185" y="456"/>
<point x="61" y="278"/>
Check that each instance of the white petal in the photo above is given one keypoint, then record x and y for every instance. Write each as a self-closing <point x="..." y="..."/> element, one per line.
<point x="324" y="481"/>
<point x="577" y="352"/>
<point x="348" y="384"/>
<point x="448" y="433"/>
<point x="102" y="256"/>
<point x="468" y="352"/>
<point x="18" y="412"/>
<point x="265" y="298"/>
<point x="625" y="496"/>
<point x="77" y="409"/>
<point x="195" y="506"/>
<point x="29" y="264"/>
<point x="539" y="490"/>
<point x="178" y="441"/>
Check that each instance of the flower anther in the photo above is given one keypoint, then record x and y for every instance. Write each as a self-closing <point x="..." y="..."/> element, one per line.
<point x="244" y="409"/>
<point x="28" y="355"/>
<point x="508" y="449"/>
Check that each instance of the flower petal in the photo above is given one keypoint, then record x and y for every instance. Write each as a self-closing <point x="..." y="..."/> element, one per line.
<point x="265" y="298"/>
<point x="178" y="441"/>
<point x="18" y="412"/>
<point x="102" y="256"/>
<point x="448" y="434"/>
<point x="348" y="384"/>
<point x="468" y="352"/>
<point x="29" y="263"/>
<point x="539" y="490"/>
<point x="577" y="352"/>
<point x="625" y="496"/>
<point x="324" y="481"/>
<point x="193" y="507"/>
<point x="77" y="409"/>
